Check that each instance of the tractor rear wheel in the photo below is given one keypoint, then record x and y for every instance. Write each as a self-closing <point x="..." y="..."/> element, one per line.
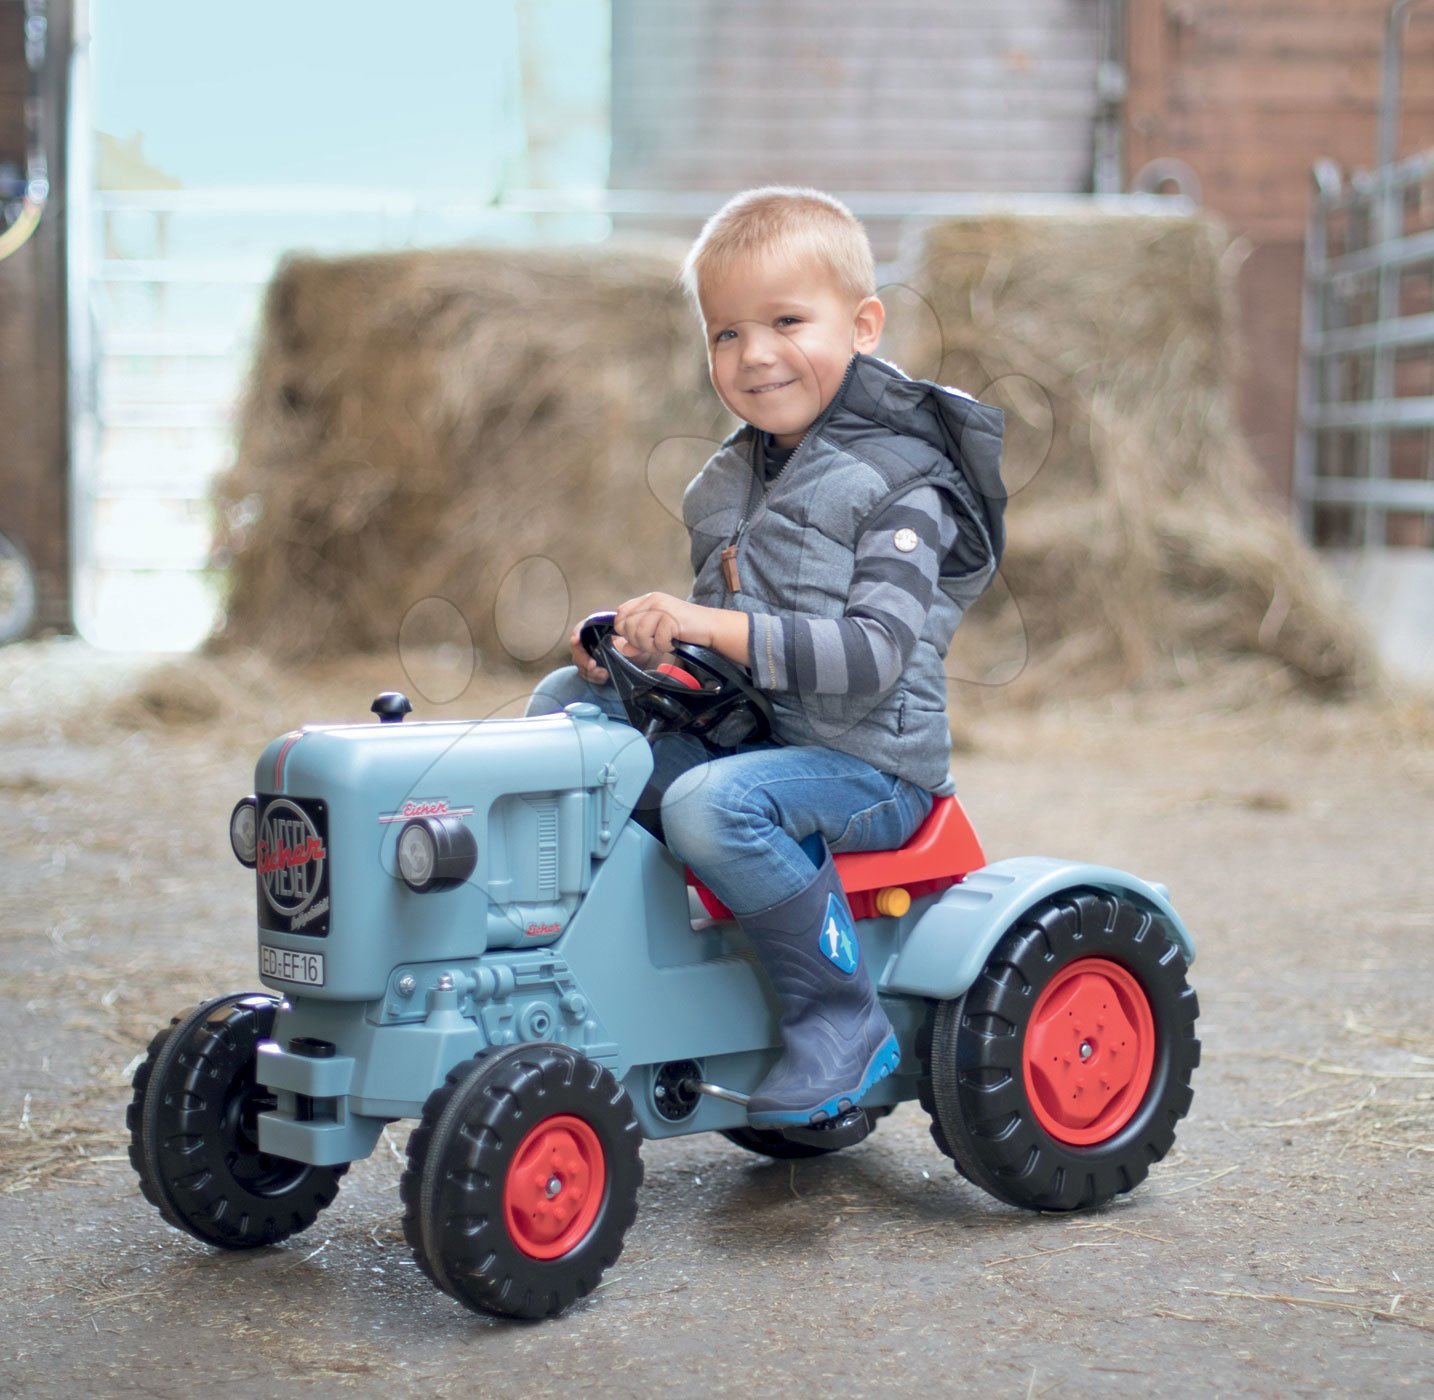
<point x="1059" y="1077"/>
<point x="522" y="1180"/>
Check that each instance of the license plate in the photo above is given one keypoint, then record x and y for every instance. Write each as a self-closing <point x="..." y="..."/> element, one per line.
<point x="285" y="965"/>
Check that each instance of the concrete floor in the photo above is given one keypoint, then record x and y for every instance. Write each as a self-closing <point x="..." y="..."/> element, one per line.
<point x="1282" y="1248"/>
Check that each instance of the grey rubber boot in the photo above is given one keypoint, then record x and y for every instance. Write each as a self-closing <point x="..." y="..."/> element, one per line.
<point x="836" y="1037"/>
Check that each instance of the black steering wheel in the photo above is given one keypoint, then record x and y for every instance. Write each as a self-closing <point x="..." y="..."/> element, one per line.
<point x="701" y="693"/>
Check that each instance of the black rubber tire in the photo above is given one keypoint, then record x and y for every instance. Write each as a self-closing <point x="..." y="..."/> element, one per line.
<point x="192" y="1132"/>
<point x="924" y="1093"/>
<point x="981" y="1115"/>
<point x="458" y="1162"/>
<point x="768" y="1142"/>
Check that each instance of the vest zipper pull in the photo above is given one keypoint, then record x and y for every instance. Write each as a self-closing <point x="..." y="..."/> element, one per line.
<point x="729" y="569"/>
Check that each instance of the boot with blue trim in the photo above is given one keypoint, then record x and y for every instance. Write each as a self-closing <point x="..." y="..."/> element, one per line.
<point x="837" y="1040"/>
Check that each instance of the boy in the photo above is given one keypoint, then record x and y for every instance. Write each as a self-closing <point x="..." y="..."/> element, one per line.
<point x="836" y="540"/>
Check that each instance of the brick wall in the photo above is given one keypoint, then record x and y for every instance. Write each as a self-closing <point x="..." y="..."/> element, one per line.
<point x="14" y="77"/>
<point x="34" y="465"/>
<point x="1249" y="94"/>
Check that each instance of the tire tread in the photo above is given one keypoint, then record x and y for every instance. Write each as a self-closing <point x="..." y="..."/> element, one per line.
<point x="973" y="1085"/>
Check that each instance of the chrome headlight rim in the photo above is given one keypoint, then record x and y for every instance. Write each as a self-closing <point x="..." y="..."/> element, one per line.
<point x="417" y="856"/>
<point x="244" y="831"/>
<point x="436" y="853"/>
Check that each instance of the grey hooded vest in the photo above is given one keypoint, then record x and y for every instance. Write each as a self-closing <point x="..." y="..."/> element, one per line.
<point x="882" y="436"/>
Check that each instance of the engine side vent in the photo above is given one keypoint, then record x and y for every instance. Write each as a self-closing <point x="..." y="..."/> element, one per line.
<point x="547" y="814"/>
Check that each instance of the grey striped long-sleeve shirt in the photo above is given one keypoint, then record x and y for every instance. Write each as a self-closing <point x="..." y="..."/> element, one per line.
<point x="863" y="652"/>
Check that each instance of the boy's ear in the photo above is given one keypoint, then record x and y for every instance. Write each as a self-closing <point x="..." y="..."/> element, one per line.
<point x="867" y="324"/>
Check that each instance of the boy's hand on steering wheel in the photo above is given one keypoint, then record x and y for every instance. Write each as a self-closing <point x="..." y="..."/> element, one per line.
<point x="594" y="673"/>
<point x="588" y="669"/>
<point x="648" y="626"/>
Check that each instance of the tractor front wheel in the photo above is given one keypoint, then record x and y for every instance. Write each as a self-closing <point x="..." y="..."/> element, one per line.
<point x="522" y="1180"/>
<point x="194" y="1133"/>
<point x="1059" y="1077"/>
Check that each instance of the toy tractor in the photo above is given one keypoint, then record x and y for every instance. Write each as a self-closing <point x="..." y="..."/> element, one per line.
<point x="465" y="923"/>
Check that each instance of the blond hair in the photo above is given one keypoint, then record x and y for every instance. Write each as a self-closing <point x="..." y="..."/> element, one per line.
<point x="803" y="223"/>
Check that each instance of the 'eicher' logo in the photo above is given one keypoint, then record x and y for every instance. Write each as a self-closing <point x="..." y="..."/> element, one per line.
<point x="424" y="807"/>
<point x="293" y="865"/>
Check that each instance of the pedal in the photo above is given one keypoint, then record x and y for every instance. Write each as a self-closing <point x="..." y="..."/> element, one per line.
<point x="714" y="1091"/>
<point x="846" y="1131"/>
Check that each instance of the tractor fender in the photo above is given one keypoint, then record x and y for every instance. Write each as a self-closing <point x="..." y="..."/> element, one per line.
<point x="948" y="945"/>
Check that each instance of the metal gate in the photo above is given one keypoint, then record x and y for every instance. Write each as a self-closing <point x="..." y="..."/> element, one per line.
<point x="1364" y="455"/>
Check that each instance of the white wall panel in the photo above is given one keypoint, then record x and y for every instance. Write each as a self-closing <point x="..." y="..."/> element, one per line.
<point x="910" y="94"/>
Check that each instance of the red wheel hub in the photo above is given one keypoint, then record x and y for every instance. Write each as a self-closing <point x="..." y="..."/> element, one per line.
<point x="555" y="1187"/>
<point x="1090" y="1050"/>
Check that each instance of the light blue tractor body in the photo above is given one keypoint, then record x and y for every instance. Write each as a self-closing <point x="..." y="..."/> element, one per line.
<point x="575" y="927"/>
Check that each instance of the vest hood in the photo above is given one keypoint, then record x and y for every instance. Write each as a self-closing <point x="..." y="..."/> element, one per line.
<point x="967" y="433"/>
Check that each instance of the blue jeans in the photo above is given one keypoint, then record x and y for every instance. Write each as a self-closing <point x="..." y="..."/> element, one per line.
<point x="739" y="817"/>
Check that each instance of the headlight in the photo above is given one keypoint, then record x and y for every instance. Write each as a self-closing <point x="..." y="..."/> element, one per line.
<point x="243" y="831"/>
<point x="436" y="853"/>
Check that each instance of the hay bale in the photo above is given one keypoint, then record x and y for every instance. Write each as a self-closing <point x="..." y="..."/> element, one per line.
<point x="191" y="692"/>
<point x="507" y="432"/>
<point x="465" y="451"/>
<point x="1138" y="529"/>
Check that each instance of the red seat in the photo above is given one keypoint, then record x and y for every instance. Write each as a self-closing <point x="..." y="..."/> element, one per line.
<point x="941" y="850"/>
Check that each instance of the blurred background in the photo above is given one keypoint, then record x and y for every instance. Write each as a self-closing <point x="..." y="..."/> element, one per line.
<point x="340" y="352"/>
<point x="277" y="282"/>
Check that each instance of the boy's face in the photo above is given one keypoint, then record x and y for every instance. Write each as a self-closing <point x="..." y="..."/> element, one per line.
<point x="780" y="334"/>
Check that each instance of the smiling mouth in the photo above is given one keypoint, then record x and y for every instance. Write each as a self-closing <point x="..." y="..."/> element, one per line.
<point x="769" y="388"/>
